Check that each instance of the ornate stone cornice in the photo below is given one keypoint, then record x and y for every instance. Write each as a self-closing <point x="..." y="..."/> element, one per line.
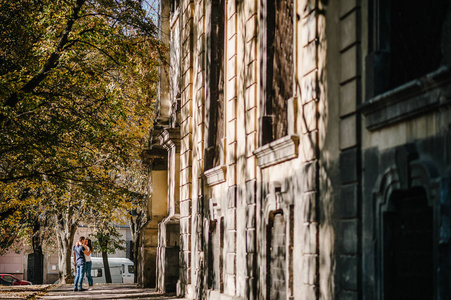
<point x="155" y="157"/>
<point x="409" y="100"/>
<point x="170" y="138"/>
<point x="215" y="175"/>
<point x="277" y="151"/>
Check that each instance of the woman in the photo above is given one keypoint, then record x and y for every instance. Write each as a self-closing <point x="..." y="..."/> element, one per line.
<point x="88" y="263"/>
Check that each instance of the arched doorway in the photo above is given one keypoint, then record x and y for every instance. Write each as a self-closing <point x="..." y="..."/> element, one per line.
<point x="408" y="247"/>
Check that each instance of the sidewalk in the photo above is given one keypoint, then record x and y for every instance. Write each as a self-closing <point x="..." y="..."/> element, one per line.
<point x="22" y="291"/>
<point x="100" y="291"/>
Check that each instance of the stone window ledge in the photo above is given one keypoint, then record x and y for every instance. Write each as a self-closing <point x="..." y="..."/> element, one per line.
<point x="277" y="151"/>
<point x="215" y="175"/>
<point x="411" y="99"/>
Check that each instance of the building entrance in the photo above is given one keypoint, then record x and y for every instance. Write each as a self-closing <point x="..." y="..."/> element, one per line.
<point x="408" y="247"/>
<point x="276" y="258"/>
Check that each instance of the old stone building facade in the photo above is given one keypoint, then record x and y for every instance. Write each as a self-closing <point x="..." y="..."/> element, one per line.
<point x="303" y="150"/>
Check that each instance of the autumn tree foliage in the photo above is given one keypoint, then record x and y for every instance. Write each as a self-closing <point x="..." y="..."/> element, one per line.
<point x="77" y="89"/>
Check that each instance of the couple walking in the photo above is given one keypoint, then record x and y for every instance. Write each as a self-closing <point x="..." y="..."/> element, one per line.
<point x="82" y="263"/>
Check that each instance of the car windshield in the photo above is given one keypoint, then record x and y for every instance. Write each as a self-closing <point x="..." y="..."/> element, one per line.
<point x="9" y="278"/>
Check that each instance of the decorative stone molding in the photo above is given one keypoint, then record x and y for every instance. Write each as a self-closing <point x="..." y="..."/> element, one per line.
<point x="278" y="151"/>
<point x="170" y="138"/>
<point x="275" y="203"/>
<point x="157" y="157"/>
<point x="411" y="99"/>
<point x="215" y="209"/>
<point x="171" y="219"/>
<point x="424" y="174"/>
<point x="215" y="175"/>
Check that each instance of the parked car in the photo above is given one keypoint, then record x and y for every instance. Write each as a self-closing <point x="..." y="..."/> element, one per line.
<point x="7" y="279"/>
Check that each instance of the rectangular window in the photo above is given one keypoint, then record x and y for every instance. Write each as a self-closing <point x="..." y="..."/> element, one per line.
<point x="174" y="6"/>
<point x="408" y="40"/>
<point x="279" y="69"/>
<point x="215" y="112"/>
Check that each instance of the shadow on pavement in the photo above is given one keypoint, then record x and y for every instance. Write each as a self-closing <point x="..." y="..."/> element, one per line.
<point x="100" y="291"/>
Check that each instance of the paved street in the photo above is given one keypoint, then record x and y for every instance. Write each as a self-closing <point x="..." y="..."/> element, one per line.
<point x="100" y="291"/>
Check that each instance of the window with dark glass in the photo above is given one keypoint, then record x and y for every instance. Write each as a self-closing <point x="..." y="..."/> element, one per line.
<point x="407" y="41"/>
<point x="215" y="109"/>
<point x="279" y="69"/>
<point x="174" y="6"/>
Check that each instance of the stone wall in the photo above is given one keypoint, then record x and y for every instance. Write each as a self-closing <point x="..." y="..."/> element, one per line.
<point x="293" y="213"/>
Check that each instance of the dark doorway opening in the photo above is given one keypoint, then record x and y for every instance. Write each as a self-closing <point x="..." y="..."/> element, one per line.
<point x="35" y="270"/>
<point x="172" y="267"/>
<point x="276" y="257"/>
<point x="215" y="259"/>
<point x="408" y="247"/>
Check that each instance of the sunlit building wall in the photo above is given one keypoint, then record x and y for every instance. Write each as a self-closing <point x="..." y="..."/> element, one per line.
<point x="308" y="149"/>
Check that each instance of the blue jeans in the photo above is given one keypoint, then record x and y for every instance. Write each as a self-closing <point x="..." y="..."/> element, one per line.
<point x="88" y="273"/>
<point x="79" y="277"/>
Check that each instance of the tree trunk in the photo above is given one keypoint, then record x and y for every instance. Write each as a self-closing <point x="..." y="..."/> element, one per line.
<point x="106" y="266"/>
<point x="65" y="232"/>
<point x="137" y="222"/>
<point x="136" y="259"/>
<point x="65" y="273"/>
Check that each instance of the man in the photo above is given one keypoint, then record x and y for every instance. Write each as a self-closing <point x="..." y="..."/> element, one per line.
<point x="79" y="263"/>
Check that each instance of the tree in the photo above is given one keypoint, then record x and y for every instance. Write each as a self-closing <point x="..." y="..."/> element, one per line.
<point x="137" y="222"/>
<point x="87" y="84"/>
<point x="12" y="215"/>
<point x="107" y="240"/>
<point x="77" y="87"/>
<point x="91" y="201"/>
<point x="135" y="179"/>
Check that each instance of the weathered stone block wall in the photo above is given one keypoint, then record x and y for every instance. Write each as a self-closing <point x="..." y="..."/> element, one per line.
<point x="293" y="219"/>
<point x="186" y="15"/>
<point x="231" y="148"/>
<point x="405" y="149"/>
<point x="247" y="194"/>
<point x="348" y="261"/>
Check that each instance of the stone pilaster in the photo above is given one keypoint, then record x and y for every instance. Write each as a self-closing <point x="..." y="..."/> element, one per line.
<point x="349" y="226"/>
